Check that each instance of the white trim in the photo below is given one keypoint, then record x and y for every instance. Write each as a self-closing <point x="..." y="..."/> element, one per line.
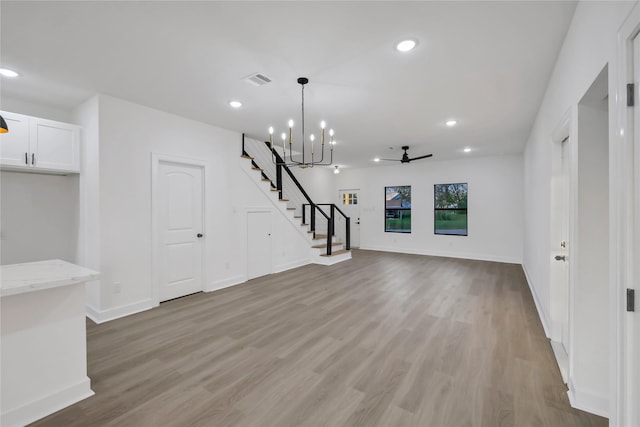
<point x="622" y="258"/>
<point x="156" y="159"/>
<point x="47" y="405"/>
<point x="588" y="401"/>
<point x="479" y="257"/>
<point x="562" y="358"/>
<point x="333" y="259"/>
<point x="566" y="129"/>
<point x="226" y="283"/>
<point x="101" y="316"/>
<point x="544" y="319"/>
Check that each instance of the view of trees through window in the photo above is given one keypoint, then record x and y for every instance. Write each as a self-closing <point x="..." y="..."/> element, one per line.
<point x="397" y="209"/>
<point x="450" y="213"/>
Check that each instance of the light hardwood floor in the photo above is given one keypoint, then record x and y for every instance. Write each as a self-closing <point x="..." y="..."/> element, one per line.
<point x="384" y="339"/>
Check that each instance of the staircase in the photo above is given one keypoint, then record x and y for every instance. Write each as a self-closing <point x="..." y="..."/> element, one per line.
<point x="324" y="226"/>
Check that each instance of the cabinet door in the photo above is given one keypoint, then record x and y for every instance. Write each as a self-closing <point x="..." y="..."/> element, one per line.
<point x="55" y="145"/>
<point x="14" y="145"/>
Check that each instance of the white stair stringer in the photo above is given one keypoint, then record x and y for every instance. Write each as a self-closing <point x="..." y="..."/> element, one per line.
<point x="315" y="254"/>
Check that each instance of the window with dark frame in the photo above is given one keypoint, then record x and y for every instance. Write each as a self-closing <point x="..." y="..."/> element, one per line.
<point x="450" y="209"/>
<point x="397" y="209"/>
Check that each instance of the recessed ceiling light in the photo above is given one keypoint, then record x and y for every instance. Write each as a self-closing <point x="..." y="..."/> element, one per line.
<point x="406" y="45"/>
<point x="8" y="73"/>
<point x="336" y="170"/>
<point x="451" y="123"/>
<point x="377" y="159"/>
<point x="235" y="104"/>
<point x="466" y="150"/>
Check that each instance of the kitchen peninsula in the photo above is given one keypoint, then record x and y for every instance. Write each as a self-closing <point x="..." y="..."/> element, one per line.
<point x="43" y="339"/>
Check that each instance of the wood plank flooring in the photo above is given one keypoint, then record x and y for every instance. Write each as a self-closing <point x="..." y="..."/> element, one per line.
<point x="381" y="340"/>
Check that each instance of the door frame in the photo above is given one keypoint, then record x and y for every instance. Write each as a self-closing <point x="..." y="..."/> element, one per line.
<point x="624" y="208"/>
<point x="566" y="129"/>
<point x="156" y="160"/>
<point x="245" y="239"/>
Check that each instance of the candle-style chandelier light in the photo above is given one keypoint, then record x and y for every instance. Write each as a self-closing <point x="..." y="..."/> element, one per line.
<point x="302" y="159"/>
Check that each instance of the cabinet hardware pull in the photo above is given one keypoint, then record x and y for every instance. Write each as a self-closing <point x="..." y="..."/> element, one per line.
<point x="26" y="158"/>
<point x="33" y="159"/>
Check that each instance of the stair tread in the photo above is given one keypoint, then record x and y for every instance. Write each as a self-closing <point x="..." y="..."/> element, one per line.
<point x="322" y="237"/>
<point x="257" y="169"/>
<point x="284" y="200"/>
<point x="274" y="189"/>
<point x="297" y="216"/>
<point x="291" y="209"/>
<point x="325" y="245"/>
<point x="266" y="179"/>
<point x="341" y="251"/>
<point x="246" y="157"/>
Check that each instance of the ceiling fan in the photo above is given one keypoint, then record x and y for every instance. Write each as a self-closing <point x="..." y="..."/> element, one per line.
<point x="406" y="158"/>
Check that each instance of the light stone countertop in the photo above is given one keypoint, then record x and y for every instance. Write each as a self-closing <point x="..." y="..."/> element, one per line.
<point x="35" y="276"/>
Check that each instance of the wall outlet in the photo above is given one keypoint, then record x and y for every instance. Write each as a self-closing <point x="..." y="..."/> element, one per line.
<point x="117" y="288"/>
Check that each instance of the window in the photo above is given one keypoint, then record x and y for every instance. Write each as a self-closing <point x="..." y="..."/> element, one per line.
<point x="350" y="198"/>
<point x="450" y="209"/>
<point x="397" y="209"/>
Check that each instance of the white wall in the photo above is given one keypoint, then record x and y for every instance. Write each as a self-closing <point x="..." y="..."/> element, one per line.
<point x="129" y="133"/>
<point x="39" y="213"/>
<point x="39" y="217"/>
<point x="36" y="110"/>
<point x="494" y="207"/>
<point x="318" y="182"/>
<point x="589" y="46"/>
<point x="88" y="242"/>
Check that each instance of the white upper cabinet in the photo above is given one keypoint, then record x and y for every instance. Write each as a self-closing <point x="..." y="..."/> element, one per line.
<point x="14" y="145"/>
<point x="39" y="145"/>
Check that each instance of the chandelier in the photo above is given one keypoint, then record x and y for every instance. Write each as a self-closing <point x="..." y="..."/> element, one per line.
<point x="302" y="159"/>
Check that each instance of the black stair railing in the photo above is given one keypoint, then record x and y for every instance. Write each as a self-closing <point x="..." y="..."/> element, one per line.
<point x="331" y="225"/>
<point x="330" y="218"/>
<point x="347" y="222"/>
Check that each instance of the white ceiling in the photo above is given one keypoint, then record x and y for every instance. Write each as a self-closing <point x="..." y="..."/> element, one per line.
<point x="486" y="64"/>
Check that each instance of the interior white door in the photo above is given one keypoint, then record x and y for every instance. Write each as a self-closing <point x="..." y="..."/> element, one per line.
<point x="350" y="205"/>
<point x="259" y="257"/>
<point x="181" y="228"/>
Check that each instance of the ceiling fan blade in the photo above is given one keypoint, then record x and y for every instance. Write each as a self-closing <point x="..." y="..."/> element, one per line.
<point x="421" y="157"/>
<point x="392" y="160"/>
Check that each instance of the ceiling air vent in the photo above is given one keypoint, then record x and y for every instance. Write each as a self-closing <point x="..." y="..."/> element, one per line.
<point x="257" y="79"/>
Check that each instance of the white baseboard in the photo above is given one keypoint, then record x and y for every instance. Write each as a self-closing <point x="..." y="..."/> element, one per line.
<point x="47" y="405"/>
<point x="588" y="401"/>
<point x="445" y="254"/>
<point x="562" y="358"/>
<point x="289" y="265"/>
<point x="541" y="313"/>
<point x="101" y="316"/>
<point x="225" y="283"/>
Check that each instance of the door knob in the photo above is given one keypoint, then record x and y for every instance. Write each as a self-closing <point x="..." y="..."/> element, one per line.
<point x="560" y="258"/>
<point x="199" y="235"/>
